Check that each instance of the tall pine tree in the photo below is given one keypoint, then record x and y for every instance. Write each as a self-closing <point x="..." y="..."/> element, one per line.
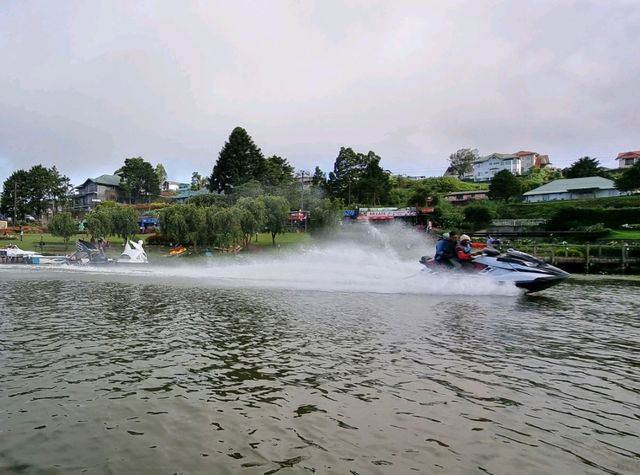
<point x="239" y="161"/>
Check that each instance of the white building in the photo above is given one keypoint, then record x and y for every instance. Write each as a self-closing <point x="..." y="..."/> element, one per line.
<point x="171" y="185"/>
<point x="484" y="168"/>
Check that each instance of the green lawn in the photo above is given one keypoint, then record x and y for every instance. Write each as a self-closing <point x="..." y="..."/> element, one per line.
<point x="286" y="239"/>
<point x="624" y="235"/>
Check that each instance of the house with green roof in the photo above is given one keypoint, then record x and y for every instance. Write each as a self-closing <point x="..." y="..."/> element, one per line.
<point x="96" y="190"/>
<point x="185" y="193"/>
<point x="573" y="189"/>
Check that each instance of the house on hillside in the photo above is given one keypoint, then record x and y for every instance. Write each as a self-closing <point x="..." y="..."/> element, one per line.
<point x="450" y="171"/>
<point x="464" y="197"/>
<point x="171" y="185"/>
<point x="186" y="192"/>
<point x="484" y="168"/>
<point x="96" y="190"/>
<point x="529" y="160"/>
<point x="628" y="159"/>
<point x="573" y="189"/>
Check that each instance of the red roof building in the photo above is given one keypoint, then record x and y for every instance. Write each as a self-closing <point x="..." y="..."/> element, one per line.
<point x="628" y="159"/>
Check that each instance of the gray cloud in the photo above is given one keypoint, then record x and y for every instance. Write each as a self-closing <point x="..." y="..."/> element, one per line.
<point x="84" y="85"/>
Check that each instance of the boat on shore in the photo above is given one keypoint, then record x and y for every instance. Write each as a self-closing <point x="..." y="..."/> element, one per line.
<point x="86" y="254"/>
<point x="13" y="254"/>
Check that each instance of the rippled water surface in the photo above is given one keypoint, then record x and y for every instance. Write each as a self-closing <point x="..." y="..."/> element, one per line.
<point x="296" y="369"/>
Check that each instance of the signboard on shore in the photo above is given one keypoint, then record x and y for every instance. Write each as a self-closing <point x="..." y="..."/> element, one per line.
<point x="386" y="213"/>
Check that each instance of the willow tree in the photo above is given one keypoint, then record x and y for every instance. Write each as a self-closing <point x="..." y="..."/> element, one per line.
<point x="99" y="222"/>
<point x="224" y="223"/>
<point x="124" y="222"/>
<point x="252" y="217"/>
<point x="277" y="212"/>
<point x="64" y="226"/>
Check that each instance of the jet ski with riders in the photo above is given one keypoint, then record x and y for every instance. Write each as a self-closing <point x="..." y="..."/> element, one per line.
<point x="459" y="254"/>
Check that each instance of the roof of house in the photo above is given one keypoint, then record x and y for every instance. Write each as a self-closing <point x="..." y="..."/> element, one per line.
<point x="573" y="184"/>
<point x="632" y="154"/>
<point x="470" y="192"/>
<point x="184" y="195"/>
<point x="110" y="180"/>
<point x="499" y="156"/>
<point x="524" y="153"/>
<point x="113" y="180"/>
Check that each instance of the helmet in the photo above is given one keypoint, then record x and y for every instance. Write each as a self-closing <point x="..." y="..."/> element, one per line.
<point x="464" y="237"/>
<point x="445" y="235"/>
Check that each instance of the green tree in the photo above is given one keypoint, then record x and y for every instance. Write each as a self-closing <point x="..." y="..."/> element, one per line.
<point x="63" y="225"/>
<point x="60" y="191"/>
<point x="34" y="191"/>
<point x="174" y="225"/>
<point x="630" y="179"/>
<point x="584" y="167"/>
<point x="319" y="179"/>
<point x="478" y="215"/>
<point x="357" y="177"/>
<point x="277" y="172"/>
<point x="196" y="221"/>
<point x="448" y="215"/>
<point x="276" y="214"/>
<point x="239" y="161"/>
<point x="225" y="223"/>
<point x="462" y="161"/>
<point x="139" y="180"/>
<point x="504" y="185"/>
<point x="346" y="172"/>
<point x="100" y="221"/>
<point x="252" y="217"/>
<point x="325" y="216"/>
<point x="422" y="196"/>
<point x="249" y="189"/>
<point x="374" y="185"/>
<point x="161" y="173"/>
<point x="15" y="195"/>
<point x="124" y="222"/>
<point x="198" y="181"/>
<point x="209" y="199"/>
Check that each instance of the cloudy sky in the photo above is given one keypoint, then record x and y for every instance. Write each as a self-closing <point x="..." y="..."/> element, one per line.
<point x="86" y="84"/>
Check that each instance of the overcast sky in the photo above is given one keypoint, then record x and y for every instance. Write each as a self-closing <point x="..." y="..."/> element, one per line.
<point x="86" y="84"/>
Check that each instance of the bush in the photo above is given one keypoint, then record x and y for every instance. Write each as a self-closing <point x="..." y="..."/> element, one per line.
<point x="477" y="216"/>
<point x="565" y="219"/>
<point x="157" y="240"/>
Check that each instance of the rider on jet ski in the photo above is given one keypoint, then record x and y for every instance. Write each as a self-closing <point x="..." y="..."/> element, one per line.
<point x="465" y="252"/>
<point x="446" y="249"/>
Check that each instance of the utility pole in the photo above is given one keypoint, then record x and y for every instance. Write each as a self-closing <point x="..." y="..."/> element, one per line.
<point x="302" y="190"/>
<point x="304" y="215"/>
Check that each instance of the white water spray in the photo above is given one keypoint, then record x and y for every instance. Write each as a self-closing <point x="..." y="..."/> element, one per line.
<point x="366" y="258"/>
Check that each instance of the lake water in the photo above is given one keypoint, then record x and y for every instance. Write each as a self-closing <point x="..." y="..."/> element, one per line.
<point x="332" y="360"/>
